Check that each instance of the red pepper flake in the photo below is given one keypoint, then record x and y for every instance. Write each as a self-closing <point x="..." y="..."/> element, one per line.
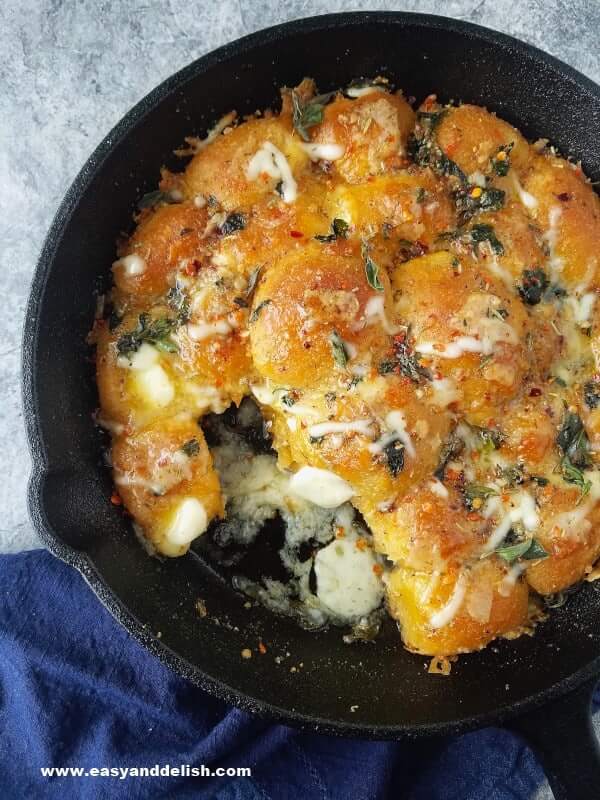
<point x="261" y="648"/>
<point x="378" y="570"/>
<point x="535" y="392"/>
<point x="115" y="499"/>
<point x="296" y="234"/>
<point x="193" y="267"/>
<point x="564" y="196"/>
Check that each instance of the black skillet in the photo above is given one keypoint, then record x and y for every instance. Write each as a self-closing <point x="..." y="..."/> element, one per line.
<point x="540" y="686"/>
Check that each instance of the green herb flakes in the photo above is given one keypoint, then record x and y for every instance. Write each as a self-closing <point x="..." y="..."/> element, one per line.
<point x="340" y="356"/>
<point x="528" y="550"/>
<point x="191" y="448"/>
<point x="152" y="331"/>
<point x="339" y="230"/>
<point x="371" y="269"/>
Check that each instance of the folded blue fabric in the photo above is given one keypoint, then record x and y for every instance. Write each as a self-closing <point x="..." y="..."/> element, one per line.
<point x="77" y="691"/>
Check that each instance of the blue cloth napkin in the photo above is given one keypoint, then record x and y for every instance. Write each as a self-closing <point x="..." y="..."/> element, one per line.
<point x="77" y="690"/>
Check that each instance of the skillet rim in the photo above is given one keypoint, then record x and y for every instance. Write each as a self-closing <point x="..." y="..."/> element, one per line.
<point x="80" y="560"/>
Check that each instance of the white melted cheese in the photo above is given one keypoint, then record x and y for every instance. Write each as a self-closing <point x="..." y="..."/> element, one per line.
<point x="456" y="349"/>
<point x="447" y="613"/>
<point x="150" y="379"/>
<point x="445" y="392"/>
<point x="396" y="423"/>
<point x="361" y="91"/>
<point x="321" y="487"/>
<point x="204" y="330"/>
<point x="477" y="178"/>
<point x="582" y="307"/>
<point x="215" y="131"/>
<point x="155" y="386"/>
<point x="555" y="262"/>
<point x="325" y="151"/>
<point x="271" y="161"/>
<point x="487" y="330"/>
<point x="528" y="200"/>
<point x="206" y="398"/>
<point x="143" y="358"/>
<point x="131" y="265"/>
<point x="375" y="312"/>
<point x="523" y="510"/>
<point x="509" y="580"/>
<point x="346" y="584"/>
<point x="437" y="487"/>
<point x="362" y="426"/>
<point x="189" y="522"/>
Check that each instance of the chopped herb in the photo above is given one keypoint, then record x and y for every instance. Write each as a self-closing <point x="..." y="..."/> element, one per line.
<point x="279" y="188"/>
<point x="408" y="362"/>
<point x="308" y="114"/>
<point x="425" y="151"/>
<point x="573" y="441"/>
<point x="152" y="331"/>
<point x="471" y="200"/>
<point x="500" y="163"/>
<point x="340" y="356"/>
<point x="241" y="302"/>
<point x="452" y="448"/>
<point x="371" y="269"/>
<point x="513" y="474"/>
<point x="288" y="399"/>
<point x="529" y="550"/>
<point x="151" y="199"/>
<point x="257" y="311"/>
<point x="572" y="474"/>
<point x="534" y="283"/>
<point x="234" y="222"/>
<point x="252" y="281"/>
<point x="540" y="480"/>
<point x="421" y="195"/>
<point x="591" y="394"/>
<point x="191" y="448"/>
<point x="476" y="495"/>
<point x="394" y="455"/>
<point x="483" y="232"/>
<point x="489" y="439"/>
<point x="179" y="302"/>
<point x="339" y="230"/>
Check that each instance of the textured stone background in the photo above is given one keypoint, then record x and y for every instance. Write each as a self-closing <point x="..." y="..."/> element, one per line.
<point x="69" y="69"/>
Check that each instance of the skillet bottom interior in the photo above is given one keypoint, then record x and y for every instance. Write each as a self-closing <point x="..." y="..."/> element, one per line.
<point x="368" y="689"/>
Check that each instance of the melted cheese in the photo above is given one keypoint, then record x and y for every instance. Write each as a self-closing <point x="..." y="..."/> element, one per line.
<point x="361" y="91"/>
<point x="190" y="521"/>
<point x="321" y="487"/>
<point x="524" y="511"/>
<point x="131" y="265"/>
<point x="203" y="330"/>
<point x="447" y="613"/>
<point x="346" y="583"/>
<point x="271" y="161"/>
<point x="555" y="262"/>
<point x="375" y="312"/>
<point x="318" y="151"/>
<point x="362" y="426"/>
<point x="155" y="386"/>
<point x="528" y="200"/>
<point x="396" y="422"/>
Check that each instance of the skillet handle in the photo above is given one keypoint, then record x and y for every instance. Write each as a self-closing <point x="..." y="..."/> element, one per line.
<point x="561" y="733"/>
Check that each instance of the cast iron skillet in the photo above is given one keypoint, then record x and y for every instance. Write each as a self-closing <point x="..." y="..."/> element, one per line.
<point x="538" y="686"/>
